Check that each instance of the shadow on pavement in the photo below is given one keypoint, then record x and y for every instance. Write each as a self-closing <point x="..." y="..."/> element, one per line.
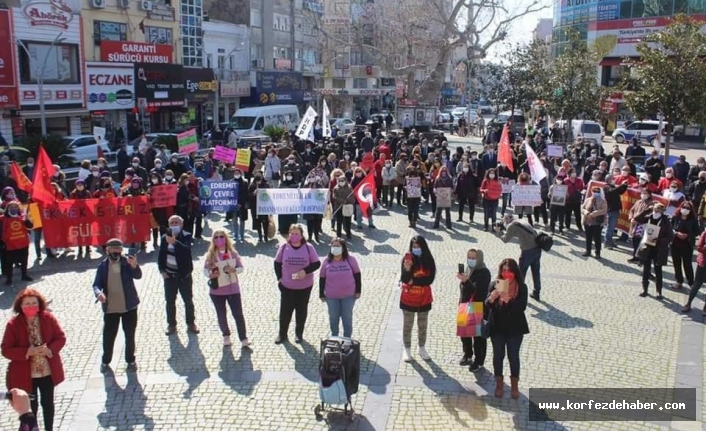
<point x="188" y="362"/>
<point x="557" y="318"/>
<point x="239" y="374"/>
<point x="125" y="407"/>
<point x="306" y="360"/>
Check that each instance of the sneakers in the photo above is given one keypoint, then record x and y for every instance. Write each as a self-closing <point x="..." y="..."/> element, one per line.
<point x="465" y="361"/>
<point x="475" y="367"/>
<point x="105" y="368"/>
<point x="407" y="354"/>
<point x="245" y="343"/>
<point x="226" y="340"/>
<point x="423" y="353"/>
<point x="131" y="367"/>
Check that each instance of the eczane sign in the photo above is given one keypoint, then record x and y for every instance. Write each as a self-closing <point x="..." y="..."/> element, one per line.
<point x="110" y="86"/>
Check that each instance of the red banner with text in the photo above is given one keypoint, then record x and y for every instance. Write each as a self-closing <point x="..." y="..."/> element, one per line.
<point x="627" y="200"/>
<point x="83" y="222"/>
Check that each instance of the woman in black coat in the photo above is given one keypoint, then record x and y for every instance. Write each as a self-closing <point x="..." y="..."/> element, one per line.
<point x="686" y="230"/>
<point x="657" y="254"/>
<point x="259" y="221"/>
<point x="240" y="215"/>
<point x="474" y="288"/>
<point x="466" y="190"/>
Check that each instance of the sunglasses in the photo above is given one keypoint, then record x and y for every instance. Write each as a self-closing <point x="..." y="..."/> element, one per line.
<point x="219" y="237"/>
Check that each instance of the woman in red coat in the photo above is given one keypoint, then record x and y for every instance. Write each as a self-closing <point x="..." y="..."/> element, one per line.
<point x="32" y="342"/>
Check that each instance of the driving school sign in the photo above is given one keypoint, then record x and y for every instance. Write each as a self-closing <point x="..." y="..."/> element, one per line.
<point x="135" y="52"/>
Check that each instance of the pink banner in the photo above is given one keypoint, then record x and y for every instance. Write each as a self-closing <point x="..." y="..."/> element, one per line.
<point x="224" y="154"/>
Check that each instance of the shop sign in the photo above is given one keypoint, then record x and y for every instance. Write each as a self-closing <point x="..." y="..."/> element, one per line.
<point x="200" y="83"/>
<point x="52" y="13"/>
<point x="8" y="98"/>
<point x="160" y="84"/>
<point x="7" y="58"/>
<point x="135" y="52"/>
<point x="276" y="87"/>
<point x="110" y="86"/>
<point x="235" y="88"/>
<point x="71" y="94"/>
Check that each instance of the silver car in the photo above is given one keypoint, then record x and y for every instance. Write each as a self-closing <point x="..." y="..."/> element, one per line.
<point x="86" y="148"/>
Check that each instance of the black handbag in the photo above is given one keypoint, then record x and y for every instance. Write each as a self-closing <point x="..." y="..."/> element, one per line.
<point x="275" y="176"/>
<point x="486" y="326"/>
<point x="213" y="283"/>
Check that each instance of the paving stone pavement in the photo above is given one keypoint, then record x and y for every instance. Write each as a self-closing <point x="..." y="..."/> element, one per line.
<point x="590" y="330"/>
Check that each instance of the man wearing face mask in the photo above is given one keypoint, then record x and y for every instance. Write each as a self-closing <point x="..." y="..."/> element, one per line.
<point x="114" y="288"/>
<point x="139" y="170"/>
<point x="594" y="211"/>
<point x="175" y="166"/>
<point x="654" y="166"/>
<point x="695" y="171"/>
<point x="635" y="151"/>
<point x="655" y="249"/>
<point x="175" y="264"/>
<point x="530" y="253"/>
<point x="158" y="168"/>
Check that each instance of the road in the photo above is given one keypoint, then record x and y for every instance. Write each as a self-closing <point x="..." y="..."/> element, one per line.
<point x="590" y="330"/>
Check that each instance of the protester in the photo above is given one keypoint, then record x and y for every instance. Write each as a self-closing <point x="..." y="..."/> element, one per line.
<point x="418" y="273"/>
<point x="294" y="265"/>
<point x="491" y="190"/>
<point x="507" y="300"/>
<point x="222" y="250"/>
<point x="32" y="341"/>
<point x="637" y="228"/>
<point x="654" y="254"/>
<point x="686" y="229"/>
<point x="115" y="289"/>
<point x="175" y="264"/>
<point x="342" y="201"/>
<point x="286" y="220"/>
<point x="443" y="181"/>
<point x="259" y="222"/>
<point x="317" y="178"/>
<point x="530" y="252"/>
<point x="159" y="215"/>
<point x="593" y="212"/>
<point x="700" y="276"/>
<point x="15" y="235"/>
<point x="474" y="285"/>
<point x="340" y="286"/>
<point x="240" y="215"/>
<point x="612" y="194"/>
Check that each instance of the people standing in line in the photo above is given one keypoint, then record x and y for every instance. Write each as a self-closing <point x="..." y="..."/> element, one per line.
<point x="508" y="323"/>
<point x="491" y="190"/>
<point x="114" y="288"/>
<point x="32" y="341"/>
<point x="530" y="252"/>
<point x="223" y="250"/>
<point x="700" y="276"/>
<point x="474" y="284"/>
<point x="686" y="230"/>
<point x="418" y="274"/>
<point x="295" y="264"/>
<point x="340" y="285"/>
<point x="593" y="211"/>
<point x="175" y="264"/>
<point x="14" y="229"/>
<point x="654" y="255"/>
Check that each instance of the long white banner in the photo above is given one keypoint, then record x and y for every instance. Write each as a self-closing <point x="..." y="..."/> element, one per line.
<point x="307" y="124"/>
<point x="292" y="201"/>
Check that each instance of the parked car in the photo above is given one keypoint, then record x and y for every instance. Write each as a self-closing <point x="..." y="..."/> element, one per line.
<point x="589" y="130"/>
<point x="345" y="125"/>
<point x="518" y="121"/>
<point x="86" y="148"/>
<point x="383" y="114"/>
<point x="643" y="130"/>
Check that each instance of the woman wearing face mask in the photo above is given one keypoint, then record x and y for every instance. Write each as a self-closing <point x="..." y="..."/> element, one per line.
<point x="286" y="220"/>
<point x="105" y="189"/>
<point x="358" y="177"/>
<point x="183" y="203"/>
<point x="240" y="215"/>
<point x="418" y="273"/>
<point x="474" y="285"/>
<point x="8" y="195"/>
<point x="401" y="170"/>
<point x="443" y="181"/>
<point x="507" y="302"/>
<point x="637" y="229"/>
<point x="524" y="180"/>
<point x="504" y="175"/>
<point x="160" y="218"/>
<point x="340" y="286"/>
<point x="32" y="341"/>
<point x="333" y="182"/>
<point x="665" y="183"/>
<point x="700" y="276"/>
<point x="594" y="212"/>
<point x="656" y="254"/>
<point x="317" y="178"/>
<point x="295" y="264"/>
<point x="466" y="191"/>
<point x="273" y="169"/>
<point x="573" y="199"/>
<point x="686" y="229"/>
<point x="259" y="222"/>
<point x="341" y="199"/>
<point x="14" y="228"/>
<point x="389" y="176"/>
<point x="222" y="250"/>
<point x="80" y="192"/>
<point x="414" y="198"/>
<point x="491" y="190"/>
<point x="675" y="197"/>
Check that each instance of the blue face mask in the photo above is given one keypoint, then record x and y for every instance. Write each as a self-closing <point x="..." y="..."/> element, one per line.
<point x="417" y="251"/>
<point x="471" y="263"/>
<point x="596" y="195"/>
<point x="175" y="230"/>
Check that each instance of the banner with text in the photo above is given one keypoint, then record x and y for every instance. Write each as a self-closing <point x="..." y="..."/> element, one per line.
<point x="187" y="141"/>
<point x="218" y="195"/>
<point x="224" y="154"/>
<point x="627" y="200"/>
<point x="307" y="124"/>
<point x="242" y="159"/>
<point x="163" y="196"/>
<point x="81" y="222"/>
<point x="292" y="201"/>
<point x="526" y="196"/>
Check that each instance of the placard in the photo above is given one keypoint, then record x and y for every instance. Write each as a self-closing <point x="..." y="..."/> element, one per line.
<point x="33" y="214"/>
<point x="627" y="200"/>
<point x="651" y="234"/>
<point x="242" y="159"/>
<point x="99" y="134"/>
<point x="559" y="193"/>
<point x="507" y="185"/>
<point x="187" y="142"/>
<point x="224" y="154"/>
<point x="443" y="197"/>
<point x="414" y="187"/>
<point x="163" y="196"/>
<point x="292" y="201"/>
<point x="555" y="151"/>
<point x="218" y="195"/>
<point x="526" y="196"/>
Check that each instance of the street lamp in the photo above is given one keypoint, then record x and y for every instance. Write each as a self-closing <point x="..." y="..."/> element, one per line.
<point x="39" y="73"/>
<point x="219" y="73"/>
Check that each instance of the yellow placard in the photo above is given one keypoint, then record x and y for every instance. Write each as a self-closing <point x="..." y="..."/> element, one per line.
<point x="242" y="159"/>
<point x="32" y="212"/>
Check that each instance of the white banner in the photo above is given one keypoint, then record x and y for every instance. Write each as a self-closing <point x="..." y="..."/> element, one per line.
<point x="526" y="196"/>
<point x="324" y="122"/>
<point x="292" y="201"/>
<point x="307" y="124"/>
<point x="536" y="167"/>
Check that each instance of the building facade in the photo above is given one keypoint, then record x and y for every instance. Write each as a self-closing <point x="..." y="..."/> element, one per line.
<point x="11" y="124"/>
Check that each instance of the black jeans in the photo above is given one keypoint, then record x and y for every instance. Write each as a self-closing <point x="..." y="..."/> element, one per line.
<point x="464" y="200"/>
<point x="387" y="195"/>
<point x="593" y="234"/>
<point x="646" y="267"/>
<point x="557" y="214"/>
<point x="575" y="209"/>
<point x="682" y="256"/>
<point x="477" y="346"/>
<point x="198" y="222"/>
<point x="542" y="210"/>
<point x="111" y="322"/>
<point x="313" y="227"/>
<point x="413" y="209"/>
<point x="45" y="386"/>
<point x="511" y="344"/>
<point x="293" y="300"/>
<point x="259" y="224"/>
<point x="342" y="223"/>
<point x="401" y="195"/>
<point x="11" y="257"/>
<point x="183" y="286"/>
<point x="698" y="282"/>
<point x="490" y="210"/>
<point x="437" y="217"/>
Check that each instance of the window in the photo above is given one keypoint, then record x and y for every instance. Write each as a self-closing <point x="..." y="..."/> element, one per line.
<point x="341" y="60"/>
<point x="360" y="83"/>
<point x="61" y="66"/>
<point x="209" y="61"/>
<point x="280" y="22"/>
<point x="106" y="30"/>
<point x="255" y="51"/>
<point x="356" y="58"/>
<point x="387" y="82"/>
<point x="255" y="18"/>
<point x="338" y="83"/>
<point x="279" y="52"/>
<point x="159" y="35"/>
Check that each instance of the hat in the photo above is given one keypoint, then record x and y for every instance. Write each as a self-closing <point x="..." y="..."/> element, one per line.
<point x="137" y="180"/>
<point x="658" y="207"/>
<point x="57" y="167"/>
<point x="104" y="174"/>
<point x="129" y="171"/>
<point x="644" y="176"/>
<point x="79" y="181"/>
<point x="114" y="242"/>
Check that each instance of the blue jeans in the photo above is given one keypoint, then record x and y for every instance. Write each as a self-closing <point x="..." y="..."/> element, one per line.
<point x="610" y="229"/>
<point x="238" y="227"/>
<point x="512" y="344"/>
<point x="531" y="259"/>
<point x="341" y="309"/>
<point x="358" y="216"/>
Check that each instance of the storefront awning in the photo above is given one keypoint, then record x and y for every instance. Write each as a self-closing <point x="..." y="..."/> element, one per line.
<point x="54" y="113"/>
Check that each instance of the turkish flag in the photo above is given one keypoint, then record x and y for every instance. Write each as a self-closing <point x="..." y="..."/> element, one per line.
<point x="504" y="151"/>
<point x="23" y="183"/>
<point x="365" y="193"/>
<point x="44" y="171"/>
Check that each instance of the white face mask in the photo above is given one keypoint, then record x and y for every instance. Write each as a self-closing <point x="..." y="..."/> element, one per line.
<point x="288" y="178"/>
<point x="237" y="177"/>
<point x="169" y="177"/>
<point x="673" y="189"/>
<point x="645" y="196"/>
<point x="669" y="175"/>
<point x="491" y="176"/>
<point x="656" y="216"/>
<point x="155" y="181"/>
<point x="685" y="211"/>
<point x="465" y="169"/>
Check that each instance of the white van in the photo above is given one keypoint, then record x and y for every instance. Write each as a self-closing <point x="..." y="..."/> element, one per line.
<point x="589" y="130"/>
<point x="251" y="121"/>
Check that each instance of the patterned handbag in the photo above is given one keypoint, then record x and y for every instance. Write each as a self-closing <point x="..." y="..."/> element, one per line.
<point x="469" y="319"/>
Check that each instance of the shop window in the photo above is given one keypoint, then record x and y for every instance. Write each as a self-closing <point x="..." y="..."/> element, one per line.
<point x="106" y="30"/>
<point x="648" y="8"/>
<point x="56" y="64"/>
<point x="159" y="35"/>
<point x="360" y="83"/>
<point x="338" y="83"/>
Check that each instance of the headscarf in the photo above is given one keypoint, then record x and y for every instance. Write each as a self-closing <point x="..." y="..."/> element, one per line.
<point x="480" y="262"/>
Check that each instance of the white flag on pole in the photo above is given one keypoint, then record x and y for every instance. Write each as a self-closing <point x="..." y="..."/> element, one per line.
<point x="536" y="167"/>
<point x="311" y="137"/>
<point x="307" y="124"/>
<point x="324" y="122"/>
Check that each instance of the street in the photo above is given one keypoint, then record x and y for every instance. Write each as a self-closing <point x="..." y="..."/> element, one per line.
<point x="591" y="330"/>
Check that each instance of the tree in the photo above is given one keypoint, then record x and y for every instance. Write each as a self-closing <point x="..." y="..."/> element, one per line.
<point x="415" y="39"/>
<point x="669" y="79"/>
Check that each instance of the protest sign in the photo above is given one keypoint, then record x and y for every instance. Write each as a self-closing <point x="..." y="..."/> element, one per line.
<point x="218" y="195"/>
<point x="292" y="201"/>
<point x="187" y="142"/>
<point x="627" y="200"/>
<point x="163" y="196"/>
<point x="443" y="197"/>
<point x="82" y="222"/>
<point x="507" y="185"/>
<point x="526" y="196"/>
<point x="559" y="193"/>
<point x="414" y="187"/>
<point x="555" y="151"/>
<point x="224" y="154"/>
<point x="242" y="159"/>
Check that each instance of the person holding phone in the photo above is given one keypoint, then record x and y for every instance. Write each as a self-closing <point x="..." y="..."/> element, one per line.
<point x="654" y="250"/>
<point x="32" y="341"/>
<point x="474" y="279"/>
<point x="507" y="302"/>
<point x="418" y="273"/>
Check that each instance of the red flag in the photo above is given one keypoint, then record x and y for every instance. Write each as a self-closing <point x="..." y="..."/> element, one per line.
<point x="365" y="193"/>
<point x="100" y="152"/>
<point x="43" y="173"/>
<point x="23" y="183"/>
<point x="504" y="151"/>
